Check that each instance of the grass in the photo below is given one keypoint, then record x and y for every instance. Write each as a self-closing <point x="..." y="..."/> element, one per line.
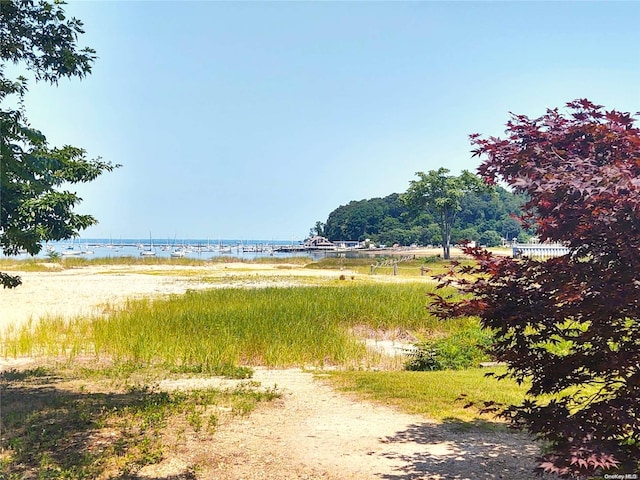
<point x="71" y="431"/>
<point x="46" y="264"/>
<point x="433" y="394"/>
<point x="407" y="268"/>
<point x="29" y="265"/>
<point x="216" y="328"/>
<point x="459" y="350"/>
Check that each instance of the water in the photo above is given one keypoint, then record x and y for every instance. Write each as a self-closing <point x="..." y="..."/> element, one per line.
<point x="169" y="248"/>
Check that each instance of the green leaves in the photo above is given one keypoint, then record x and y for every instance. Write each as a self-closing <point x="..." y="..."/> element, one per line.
<point x="32" y="209"/>
<point x="41" y="37"/>
<point x="442" y="195"/>
<point x="9" y="281"/>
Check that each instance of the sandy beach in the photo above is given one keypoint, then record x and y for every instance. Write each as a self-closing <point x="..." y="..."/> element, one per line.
<point x="82" y="291"/>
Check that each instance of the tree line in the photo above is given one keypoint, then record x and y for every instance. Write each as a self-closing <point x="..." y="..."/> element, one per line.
<point x="486" y="216"/>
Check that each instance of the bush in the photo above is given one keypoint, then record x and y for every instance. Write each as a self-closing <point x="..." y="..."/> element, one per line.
<point x="461" y="350"/>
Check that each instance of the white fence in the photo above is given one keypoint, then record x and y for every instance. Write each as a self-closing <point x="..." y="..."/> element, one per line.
<point x="544" y="250"/>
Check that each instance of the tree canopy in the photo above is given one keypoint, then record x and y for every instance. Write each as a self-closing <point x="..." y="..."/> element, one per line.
<point x="569" y="325"/>
<point x="441" y="194"/>
<point x="389" y="221"/>
<point x="38" y="38"/>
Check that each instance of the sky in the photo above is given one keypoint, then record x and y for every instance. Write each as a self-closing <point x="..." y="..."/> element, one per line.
<point x="253" y="120"/>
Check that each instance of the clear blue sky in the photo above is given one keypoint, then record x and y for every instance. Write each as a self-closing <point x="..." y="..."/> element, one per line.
<point x="253" y="120"/>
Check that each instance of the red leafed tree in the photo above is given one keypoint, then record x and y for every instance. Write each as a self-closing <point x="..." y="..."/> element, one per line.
<point x="569" y="325"/>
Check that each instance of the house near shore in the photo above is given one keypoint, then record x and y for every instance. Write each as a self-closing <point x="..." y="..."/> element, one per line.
<point x="319" y="243"/>
<point x="348" y="245"/>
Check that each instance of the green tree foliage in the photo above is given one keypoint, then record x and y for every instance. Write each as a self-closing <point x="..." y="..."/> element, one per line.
<point x="393" y="222"/>
<point x="317" y="229"/>
<point x="363" y="219"/>
<point x="442" y="195"/>
<point x="38" y="38"/>
<point x="496" y="210"/>
<point x="490" y="238"/>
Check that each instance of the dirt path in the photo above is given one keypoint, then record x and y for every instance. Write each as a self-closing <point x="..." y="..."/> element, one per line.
<point x="315" y="432"/>
<point x="312" y="432"/>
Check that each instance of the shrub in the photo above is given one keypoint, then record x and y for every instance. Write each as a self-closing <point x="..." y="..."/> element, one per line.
<point x="461" y="350"/>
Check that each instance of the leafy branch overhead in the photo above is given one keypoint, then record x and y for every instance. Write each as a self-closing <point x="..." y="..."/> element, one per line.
<point x="34" y="207"/>
<point x="569" y="325"/>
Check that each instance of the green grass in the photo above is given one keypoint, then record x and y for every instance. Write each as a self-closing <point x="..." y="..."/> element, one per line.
<point x="411" y="268"/>
<point x="29" y="265"/>
<point x="79" y="429"/>
<point x="459" y="350"/>
<point x="213" y="329"/>
<point x="433" y="394"/>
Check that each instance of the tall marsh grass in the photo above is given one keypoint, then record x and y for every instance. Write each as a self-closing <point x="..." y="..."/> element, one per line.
<point x="220" y="327"/>
<point x="29" y="265"/>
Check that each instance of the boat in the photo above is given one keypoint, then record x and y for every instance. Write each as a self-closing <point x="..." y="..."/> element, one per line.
<point x="313" y="244"/>
<point x="149" y="252"/>
<point x="71" y="250"/>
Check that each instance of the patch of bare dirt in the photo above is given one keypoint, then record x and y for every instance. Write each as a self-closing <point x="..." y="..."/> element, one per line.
<point x="314" y="432"/>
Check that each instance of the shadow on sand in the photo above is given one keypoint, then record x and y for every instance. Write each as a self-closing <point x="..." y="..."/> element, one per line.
<point x="456" y="450"/>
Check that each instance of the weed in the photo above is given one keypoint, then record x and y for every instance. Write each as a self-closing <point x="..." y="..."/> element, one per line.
<point x="226" y="371"/>
<point x="462" y="349"/>
<point x="20" y="375"/>
<point x="194" y="417"/>
<point x="70" y="433"/>
<point x="212" y="423"/>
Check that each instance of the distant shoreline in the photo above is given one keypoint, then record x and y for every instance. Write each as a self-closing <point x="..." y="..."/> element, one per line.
<point x="205" y="249"/>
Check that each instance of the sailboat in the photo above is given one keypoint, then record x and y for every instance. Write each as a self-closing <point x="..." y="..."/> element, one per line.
<point x="149" y="252"/>
<point x="71" y="251"/>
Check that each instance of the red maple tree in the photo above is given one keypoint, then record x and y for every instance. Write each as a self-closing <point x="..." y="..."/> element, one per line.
<point x="568" y="326"/>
